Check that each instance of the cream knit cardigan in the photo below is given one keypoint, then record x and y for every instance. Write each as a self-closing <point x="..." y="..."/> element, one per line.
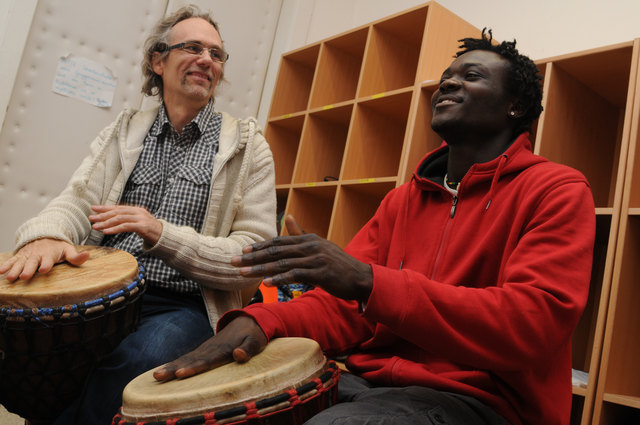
<point x="241" y="208"/>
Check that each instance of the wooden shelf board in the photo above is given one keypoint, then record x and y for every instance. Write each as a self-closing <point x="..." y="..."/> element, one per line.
<point x="314" y="184"/>
<point x="372" y="180"/>
<point x="338" y="114"/>
<point x="624" y="400"/>
<point x="604" y="211"/>
<point x="386" y="94"/>
<point x="332" y="106"/>
<point x="286" y="117"/>
<point x="579" y="391"/>
<point x="430" y="84"/>
<point x="391" y="179"/>
<point x="585" y="52"/>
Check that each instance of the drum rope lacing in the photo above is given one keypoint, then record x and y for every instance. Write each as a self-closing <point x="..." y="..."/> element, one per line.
<point x="255" y="409"/>
<point x="73" y="309"/>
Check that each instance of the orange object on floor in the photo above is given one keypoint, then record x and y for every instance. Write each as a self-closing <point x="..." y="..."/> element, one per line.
<point x="269" y="293"/>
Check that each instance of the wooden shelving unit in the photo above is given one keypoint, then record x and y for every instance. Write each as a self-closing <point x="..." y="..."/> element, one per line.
<point x="342" y="113"/>
<point x="586" y="124"/>
<point x="349" y="121"/>
<point x="617" y="398"/>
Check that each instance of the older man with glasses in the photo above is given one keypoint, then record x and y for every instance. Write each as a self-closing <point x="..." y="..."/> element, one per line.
<point x="182" y="187"/>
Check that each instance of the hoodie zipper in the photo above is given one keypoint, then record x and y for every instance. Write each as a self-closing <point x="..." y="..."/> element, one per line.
<point x="454" y="202"/>
<point x="444" y="238"/>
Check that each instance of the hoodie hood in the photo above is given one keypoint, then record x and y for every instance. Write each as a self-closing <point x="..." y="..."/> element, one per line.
<point x="429" y="173"/>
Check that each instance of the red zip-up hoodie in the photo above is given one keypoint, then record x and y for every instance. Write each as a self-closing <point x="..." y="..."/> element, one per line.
<point x="477" y="295"/>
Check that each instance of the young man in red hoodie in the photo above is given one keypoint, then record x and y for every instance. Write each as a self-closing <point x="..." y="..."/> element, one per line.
<point x="456" y="302"/>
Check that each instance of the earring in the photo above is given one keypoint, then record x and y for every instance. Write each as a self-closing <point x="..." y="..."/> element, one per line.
<point x="512" y="113"/>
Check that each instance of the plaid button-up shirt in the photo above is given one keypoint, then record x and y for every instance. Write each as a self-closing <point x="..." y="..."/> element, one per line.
<point x="171" y="180"/>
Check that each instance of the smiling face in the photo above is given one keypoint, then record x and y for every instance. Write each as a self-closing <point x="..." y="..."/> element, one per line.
<point x="472" y="97"/>
<point x="186" y="77"/>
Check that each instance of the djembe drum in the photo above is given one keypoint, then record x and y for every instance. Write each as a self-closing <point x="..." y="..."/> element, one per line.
<point x="287" y="383"/>
<point x="56" y="327"/>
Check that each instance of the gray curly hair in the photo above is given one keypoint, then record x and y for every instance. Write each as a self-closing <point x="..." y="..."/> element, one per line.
<point x="158" y="41"/>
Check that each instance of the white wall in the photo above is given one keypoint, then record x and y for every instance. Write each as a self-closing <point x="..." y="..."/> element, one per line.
<point x="15" y="22"/>
<point x="542" y="28"/>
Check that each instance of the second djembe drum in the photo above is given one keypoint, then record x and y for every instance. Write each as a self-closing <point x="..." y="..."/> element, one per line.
<point x="56" y="327"/>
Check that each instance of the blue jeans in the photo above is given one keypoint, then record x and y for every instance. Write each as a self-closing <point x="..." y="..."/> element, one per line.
<point x="360" y="403"/>
<point x="170" y="326"/>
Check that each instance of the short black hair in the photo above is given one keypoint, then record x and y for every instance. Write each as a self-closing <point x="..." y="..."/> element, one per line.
<point x="524" y="80"/>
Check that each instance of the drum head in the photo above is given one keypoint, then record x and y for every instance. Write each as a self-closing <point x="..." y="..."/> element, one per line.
<point x="284" y="363"/>
<point x="105" y="272"/>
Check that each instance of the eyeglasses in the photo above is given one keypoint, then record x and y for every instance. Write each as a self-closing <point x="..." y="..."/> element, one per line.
<point x="194" y="48"/>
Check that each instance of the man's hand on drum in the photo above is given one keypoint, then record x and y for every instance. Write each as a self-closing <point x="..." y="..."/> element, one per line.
<point x="240" y="340"/>
<point x="113" y="219"/>
<point x="306" y="258"/>
<point x="40" y="256"/>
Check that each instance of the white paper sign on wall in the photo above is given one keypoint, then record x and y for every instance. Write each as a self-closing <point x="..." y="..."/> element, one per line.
<point x="85" y="80"/>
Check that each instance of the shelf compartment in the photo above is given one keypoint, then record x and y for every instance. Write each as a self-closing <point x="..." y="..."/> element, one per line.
<point x="323" y="144"/>
<point x="391" y="58"/>
<point x="623" y="400"/>
<point x="582" y="125"/>
<point x="577" y="407"/>
<point x="312" y="207"/>
<point x="282" y="196"/>
<point x="375" y="142"/>
<point x="604" y="70"/>
<point x="619" y="414"/>
<point x="294" y="81"/>
<point x="355" y="205"/>
<point x="422" y="139"/>
<point x="622" y="375"/>
<point x="339" y="69"/>
<point x="283" y="136"/>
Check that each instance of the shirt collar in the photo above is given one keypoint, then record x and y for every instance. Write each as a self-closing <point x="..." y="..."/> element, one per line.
<point x="199" y="122"/>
